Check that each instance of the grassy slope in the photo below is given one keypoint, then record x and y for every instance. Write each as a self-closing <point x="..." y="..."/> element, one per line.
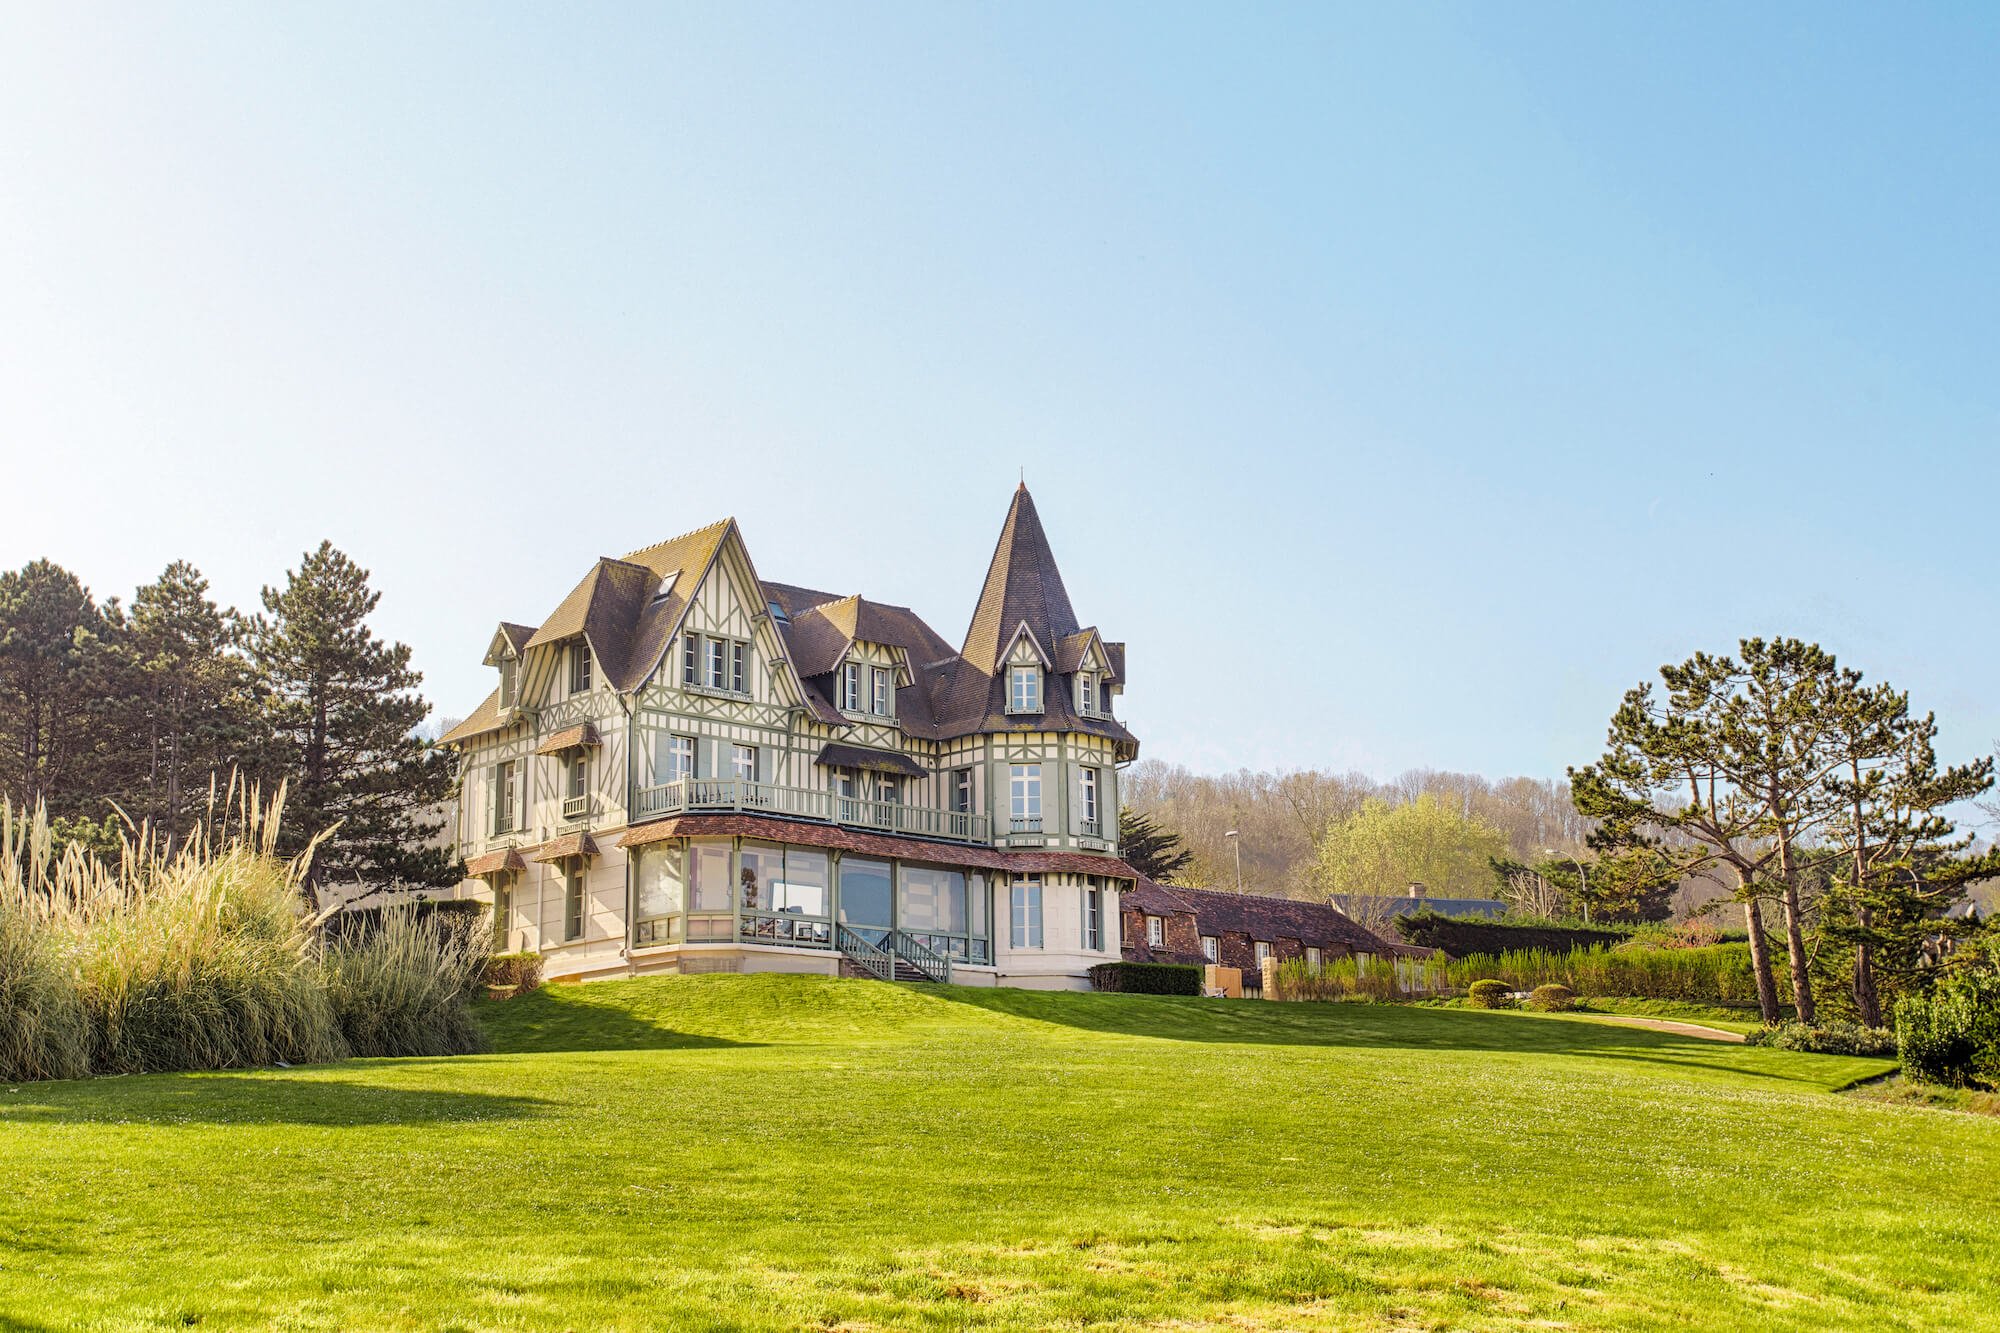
<point x="775" y="1152"/>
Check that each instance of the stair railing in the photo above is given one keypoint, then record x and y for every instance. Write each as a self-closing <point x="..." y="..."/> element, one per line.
<point x="870" y="957"/>
<point x="934" y="965"/>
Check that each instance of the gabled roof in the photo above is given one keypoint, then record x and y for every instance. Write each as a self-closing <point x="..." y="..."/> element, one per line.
<point x="629" y="608"/>
<point x="487" y="717"/>
<point x="1259" y="916"/>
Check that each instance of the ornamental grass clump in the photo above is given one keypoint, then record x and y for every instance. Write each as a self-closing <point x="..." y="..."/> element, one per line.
<point x="205" y="956"/>
<point x="405" y="987"/>
<point x="1358" y="978"/>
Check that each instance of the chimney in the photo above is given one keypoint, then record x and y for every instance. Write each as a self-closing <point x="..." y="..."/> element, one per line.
<point x="1416" y="890"/>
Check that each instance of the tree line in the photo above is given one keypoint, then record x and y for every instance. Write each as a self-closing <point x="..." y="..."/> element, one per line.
<point x="114" y="715"/>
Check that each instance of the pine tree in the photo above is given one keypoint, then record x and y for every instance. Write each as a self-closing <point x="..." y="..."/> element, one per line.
<point x="61" y="691"/>
<point x="1154" y="852"/>
<point x="1894" y="864"/>
<point x="343" y="709"/>
<point x="196" y="719"/>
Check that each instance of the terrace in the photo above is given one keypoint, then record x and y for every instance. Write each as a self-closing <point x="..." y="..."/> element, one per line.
<point x="738" y="795"/>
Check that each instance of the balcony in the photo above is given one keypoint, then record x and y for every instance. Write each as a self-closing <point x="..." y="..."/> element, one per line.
<point x="575" y="807"/>
<point x="736" y="795"/>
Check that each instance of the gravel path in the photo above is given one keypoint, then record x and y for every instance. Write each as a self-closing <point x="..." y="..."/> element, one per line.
<point x="1669" y="1025"/>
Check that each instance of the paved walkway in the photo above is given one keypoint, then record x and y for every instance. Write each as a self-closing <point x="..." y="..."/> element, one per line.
<point x="1668" y="1025"/>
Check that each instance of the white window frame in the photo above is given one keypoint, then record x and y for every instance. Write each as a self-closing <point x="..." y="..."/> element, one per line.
<point x="739" y="667"/>
<point x="1312" y="955"/>
<point x="715" y="663"/>
<point x="680" y="758"/>
<point x="579" y="668"/>
<point x="1024" y="689"/>
<point x="690" y="659"/>
<point x="1089" y="784"/>
<point x="576" y="778"/>
<point x="1262" y="948"/>
<point x="1024" y="786"/>
<point x="850" y="687"/>
<point x="1093" y="919"/>
<point x="1211" y="947"/>
<point x="510" y="681"/>
<point x="743" y="762"/>
<point x="1024" y="898"/>
<point x="506" y="797"/>
<point x="882" y="692"/>
<point x="1156" y="932"/>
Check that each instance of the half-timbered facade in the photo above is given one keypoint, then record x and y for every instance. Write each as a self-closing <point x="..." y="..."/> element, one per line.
<point x="687" y="768"/>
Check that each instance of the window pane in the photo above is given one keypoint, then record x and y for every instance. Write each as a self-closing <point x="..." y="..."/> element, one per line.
<point x="763" y="866"/>
<point x="708" y="866"/>
<point x="804" y="890"/>
<point x="659" y="881"/>
<point x="933" y="900"/>
<point x="865" y="892"/>
<point x="977" y="904"/>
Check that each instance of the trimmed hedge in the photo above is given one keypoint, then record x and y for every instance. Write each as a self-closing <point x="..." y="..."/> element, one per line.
<point x="1952" y="1035"/>
<point x="514" y="973"/>
<point x="1488" y="994"/>
<point x="1552" y="998"/>
<point x="1462" y="936"/>
<point x="1838" y="1037"/>
<point x="1147" y="978"/>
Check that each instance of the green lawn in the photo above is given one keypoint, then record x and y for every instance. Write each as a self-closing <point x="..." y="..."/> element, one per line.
<point x="776" y="1152"/>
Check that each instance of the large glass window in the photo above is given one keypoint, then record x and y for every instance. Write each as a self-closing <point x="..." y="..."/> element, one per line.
<point x="1093" y="919"/>
<point x="866" y="893"/>
<point x="761" y="869"/>
<point x="804" y="891"/>
<point x="711" y="907"/>
<point x="1026" y="787"/>
<point x="661" y="894"/>
<point x="1027" y="904"/>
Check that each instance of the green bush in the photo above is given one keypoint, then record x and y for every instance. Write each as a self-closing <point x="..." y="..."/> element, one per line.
<point x="1952" y="1035"/>
<point x="516" y="973"/>
<point x="1488" y="994"/>
<point x="1147" y="978"/>
<point x="1719" y="974"/>
<point x="206" y="959"/>
<point x="1837" y="1037"/>
<point x="1552" y="997"/>
<point x="405" y="987"/>
<point x="1466" y="936"/>
<point x="1384" y="978"/>
<point x="44" y="1031"/>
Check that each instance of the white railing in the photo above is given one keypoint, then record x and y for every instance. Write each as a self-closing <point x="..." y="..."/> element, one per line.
<point x="768" y="798"/>
<point x="575" y="807"/>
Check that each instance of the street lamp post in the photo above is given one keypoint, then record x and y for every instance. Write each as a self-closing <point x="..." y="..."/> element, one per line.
<point x="1236" y="844"/>
<point x="1583" y="876"/>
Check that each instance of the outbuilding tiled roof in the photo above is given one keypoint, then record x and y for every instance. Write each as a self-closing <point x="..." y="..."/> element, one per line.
<point x="1261" y="917"/>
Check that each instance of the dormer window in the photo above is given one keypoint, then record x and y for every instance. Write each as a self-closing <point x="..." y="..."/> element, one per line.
<point x="850" y="687"/>
<point x="884" y="700"/>
<point x="1093" y="694"/>
<point x="579" y="668"/>
<point x="1024" y="689"/>
<point x="509" y="678"/>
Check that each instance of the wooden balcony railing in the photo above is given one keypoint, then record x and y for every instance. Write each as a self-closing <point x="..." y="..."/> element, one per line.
<point x="689" y="795"/>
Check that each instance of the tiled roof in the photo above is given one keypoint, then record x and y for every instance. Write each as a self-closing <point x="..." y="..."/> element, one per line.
<point x="880" y="761"/>
<point x="487" y="717"/>
<point x="629" y="624"/>
<point x="570" y="844"/>
<point x="1260" y="917"/>
<point x="874" y="844"/>
<point x="493" y="862"/>
<point x="569" y="738"/>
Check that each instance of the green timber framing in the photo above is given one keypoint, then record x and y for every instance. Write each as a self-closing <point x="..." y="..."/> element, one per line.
<point x="713" y="737"/>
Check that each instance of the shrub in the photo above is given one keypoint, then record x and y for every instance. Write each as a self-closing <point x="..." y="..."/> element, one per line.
<point x="1552" y="997"/>
<point x="1147" y="978"/>
<point x="205" y="959"/>
<point x="1488" y="994"/>
<point x="405" y="987"/>
<point x="516" y="973"/>
<point x="44" y="1031"/>
<point x="1720" y="974"/>
<point x="1359" y="979"/>
<point x="1837" y="1037"/>
<point x="1463" y="937"/>
<point x="1952" y="1035"/>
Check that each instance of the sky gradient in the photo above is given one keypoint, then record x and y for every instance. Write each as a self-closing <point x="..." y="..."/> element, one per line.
<point x="1402" y="383"/>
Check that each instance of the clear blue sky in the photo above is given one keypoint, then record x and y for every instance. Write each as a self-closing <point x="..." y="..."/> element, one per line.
<point x="1402" y="382"/>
